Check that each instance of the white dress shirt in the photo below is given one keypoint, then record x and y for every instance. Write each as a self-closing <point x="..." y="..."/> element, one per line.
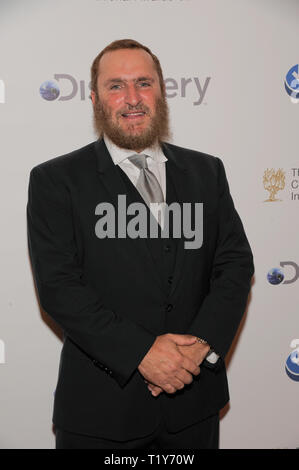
<point x="155" y="160"/>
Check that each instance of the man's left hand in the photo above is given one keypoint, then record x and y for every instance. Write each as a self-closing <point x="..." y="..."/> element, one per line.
<point x="197" y="352"/>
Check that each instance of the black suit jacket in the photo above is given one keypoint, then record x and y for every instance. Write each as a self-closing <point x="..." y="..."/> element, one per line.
<point x="108" y="297"/>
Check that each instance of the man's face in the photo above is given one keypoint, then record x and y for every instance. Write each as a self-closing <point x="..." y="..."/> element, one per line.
<point x="129" y="107"/>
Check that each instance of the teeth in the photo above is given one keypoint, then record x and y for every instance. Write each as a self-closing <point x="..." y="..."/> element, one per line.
<point x="133" y="114"/>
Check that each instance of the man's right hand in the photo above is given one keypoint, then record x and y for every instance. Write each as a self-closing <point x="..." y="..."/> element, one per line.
<point x="165" y="366"/>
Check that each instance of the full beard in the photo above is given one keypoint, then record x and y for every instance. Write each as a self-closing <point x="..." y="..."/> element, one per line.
<point x="156" y="131"/>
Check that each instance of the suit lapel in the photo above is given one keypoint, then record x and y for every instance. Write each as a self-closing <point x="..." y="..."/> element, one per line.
<point x="108" y="173"/>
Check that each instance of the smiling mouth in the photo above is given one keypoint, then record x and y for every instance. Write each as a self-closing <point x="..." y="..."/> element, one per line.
<point x="133" y="115"/>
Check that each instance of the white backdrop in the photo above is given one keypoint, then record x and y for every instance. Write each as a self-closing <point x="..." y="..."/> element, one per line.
<point x="241" y="50"/>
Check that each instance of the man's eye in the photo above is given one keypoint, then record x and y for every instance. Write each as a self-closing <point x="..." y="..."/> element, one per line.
<point x="114" y="87"/>
<point x="144" y="83"/>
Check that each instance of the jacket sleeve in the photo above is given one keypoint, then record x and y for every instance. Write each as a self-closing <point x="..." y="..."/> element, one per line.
<point x="222" y="309"/>
<point x="101" y="333"/>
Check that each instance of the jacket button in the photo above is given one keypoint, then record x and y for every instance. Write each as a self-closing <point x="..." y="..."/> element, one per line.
<point x="167" y="248"/>
<point x="170" y="279"/>
<point x="169" y="307"/>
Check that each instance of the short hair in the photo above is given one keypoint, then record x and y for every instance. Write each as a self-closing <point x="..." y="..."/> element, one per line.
<point x="124" y="44"/>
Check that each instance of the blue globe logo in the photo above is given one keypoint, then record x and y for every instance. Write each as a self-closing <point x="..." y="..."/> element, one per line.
<point x="292" y="365"/>
<point x="275" y="276"/>
<point x="49" y="90"/>
<point x="292" y="82"/>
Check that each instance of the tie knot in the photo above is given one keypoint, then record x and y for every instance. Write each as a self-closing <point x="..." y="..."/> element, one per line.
<point x="139" y="160"/>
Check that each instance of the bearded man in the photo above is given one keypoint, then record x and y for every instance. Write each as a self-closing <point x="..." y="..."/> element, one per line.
<point x="147" y="321"/>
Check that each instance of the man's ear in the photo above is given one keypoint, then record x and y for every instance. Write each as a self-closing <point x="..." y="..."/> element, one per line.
<point x="93" y="97"/>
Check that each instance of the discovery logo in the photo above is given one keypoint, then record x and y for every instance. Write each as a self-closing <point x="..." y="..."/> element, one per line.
<point x="291" y="83"/>
<point x="50" y="89"/>
<point x="65" y="87"/>
<point x="2" y="91"/>
<point x="276" y="275"/>
<point x="292" y="362"/>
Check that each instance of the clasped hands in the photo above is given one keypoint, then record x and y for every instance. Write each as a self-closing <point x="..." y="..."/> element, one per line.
<point x="171" y="362"/>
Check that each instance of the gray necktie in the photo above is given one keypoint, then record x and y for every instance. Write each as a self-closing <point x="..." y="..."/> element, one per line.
<point x="147" y="184"/>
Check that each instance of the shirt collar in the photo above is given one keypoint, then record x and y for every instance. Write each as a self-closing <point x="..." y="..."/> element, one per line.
<point x="119" y="154"/>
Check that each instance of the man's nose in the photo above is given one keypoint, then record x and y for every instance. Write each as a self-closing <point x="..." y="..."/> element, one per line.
<point x="132" y="95"/>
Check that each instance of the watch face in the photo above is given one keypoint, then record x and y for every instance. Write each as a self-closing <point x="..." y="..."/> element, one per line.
<point x="212" y="357"/>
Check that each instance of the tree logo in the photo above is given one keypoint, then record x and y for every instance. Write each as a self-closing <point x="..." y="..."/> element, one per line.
<point x="273" y="181"/>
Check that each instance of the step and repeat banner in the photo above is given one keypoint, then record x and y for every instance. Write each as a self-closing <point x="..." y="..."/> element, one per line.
<point x="232" y="78"/>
